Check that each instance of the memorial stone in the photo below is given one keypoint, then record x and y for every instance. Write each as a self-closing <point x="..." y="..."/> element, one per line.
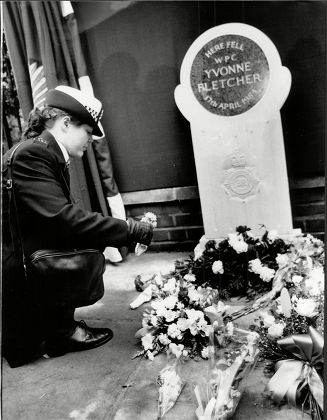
<point x="232" y="86"/>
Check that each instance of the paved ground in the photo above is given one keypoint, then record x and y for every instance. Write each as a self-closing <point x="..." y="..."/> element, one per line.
<point x="105" y="383"/>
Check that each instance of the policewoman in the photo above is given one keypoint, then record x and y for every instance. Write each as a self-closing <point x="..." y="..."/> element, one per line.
<point x="50" y="220"/>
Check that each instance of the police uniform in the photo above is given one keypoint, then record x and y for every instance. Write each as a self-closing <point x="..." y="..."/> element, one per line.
<point x="48" y="220"/>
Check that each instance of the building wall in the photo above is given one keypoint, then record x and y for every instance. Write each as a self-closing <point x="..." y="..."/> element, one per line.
<point x="134" y="58"/>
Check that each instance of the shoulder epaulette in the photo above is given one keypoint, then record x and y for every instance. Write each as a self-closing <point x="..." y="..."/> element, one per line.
<point x="41" y="140"/>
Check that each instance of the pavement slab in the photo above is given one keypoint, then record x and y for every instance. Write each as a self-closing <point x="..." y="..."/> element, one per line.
<point x="106" y="383"/>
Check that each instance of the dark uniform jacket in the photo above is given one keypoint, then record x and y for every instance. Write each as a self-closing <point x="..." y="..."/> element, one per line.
<point x="48" y="220"/>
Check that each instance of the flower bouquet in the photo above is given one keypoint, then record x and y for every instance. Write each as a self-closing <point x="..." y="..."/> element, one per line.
<point x="218" y="395"/>
<point x="149" y="218"/>
<point x="170" y="381"/>
<point x="291" y="330"/>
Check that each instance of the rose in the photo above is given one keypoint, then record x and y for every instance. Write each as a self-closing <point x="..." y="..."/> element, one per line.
<point x="276" y="330"/>
<point x="217" y="267"/>
<point x="305" y="307"/>
<point x="272" y="235"/>
<point x="240" y="246"/>
<point x="147" y="341"/>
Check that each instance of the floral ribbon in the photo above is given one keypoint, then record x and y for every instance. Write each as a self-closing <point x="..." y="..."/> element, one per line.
<point x="292" y="375"/>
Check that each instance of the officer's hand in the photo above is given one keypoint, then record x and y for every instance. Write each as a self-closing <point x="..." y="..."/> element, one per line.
<point x="141" y="232"/>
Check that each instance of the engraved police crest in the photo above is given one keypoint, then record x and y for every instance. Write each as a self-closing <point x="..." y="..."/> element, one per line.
<point x="240" y="180"/>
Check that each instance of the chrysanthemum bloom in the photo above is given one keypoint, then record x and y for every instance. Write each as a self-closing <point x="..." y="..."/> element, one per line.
<point x="306" y="307"/>
<point x="217" y="267"/>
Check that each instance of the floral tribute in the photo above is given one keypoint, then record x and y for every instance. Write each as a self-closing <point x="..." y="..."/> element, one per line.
<point x="240" y="264"/>
<point x="188" y="313"/>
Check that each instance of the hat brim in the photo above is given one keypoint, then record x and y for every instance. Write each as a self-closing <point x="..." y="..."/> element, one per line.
<point x="67" y="103"/>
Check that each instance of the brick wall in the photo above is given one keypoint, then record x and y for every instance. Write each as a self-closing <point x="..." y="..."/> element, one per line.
<point x="308" y="205"/>
<point x="180" y="224"/>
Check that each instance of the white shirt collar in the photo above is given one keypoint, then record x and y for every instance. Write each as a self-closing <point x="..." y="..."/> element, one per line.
<point x="63" y="149"/>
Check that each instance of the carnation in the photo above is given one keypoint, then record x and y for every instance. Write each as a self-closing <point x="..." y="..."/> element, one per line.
<point x="173" y="331"/>
<point x="205" y="352"/>
<point x="255" y="266"/>
<point x="183" y="324"/>
<point x="170" y="301"/>
<point x="266" y="274"/>
<point x="147" y="341"/>
<point x="282" y="260"/>
<point x="190" y="277"/>
<point x="170" y="285"/>
<point x="217" y="267"/>
<point x="176" y="349"/>
<point x="305" y="307"/>
<point x="163" y="338"/>
<point x="276" y="330"/>
<point x="296" y="279"/>
<point x="268" y="320"/>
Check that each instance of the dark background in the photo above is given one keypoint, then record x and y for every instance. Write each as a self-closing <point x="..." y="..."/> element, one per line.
<point x="134" y="57"/>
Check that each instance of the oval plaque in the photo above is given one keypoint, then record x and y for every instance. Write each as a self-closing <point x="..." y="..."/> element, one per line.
<point x="229" y="75"/>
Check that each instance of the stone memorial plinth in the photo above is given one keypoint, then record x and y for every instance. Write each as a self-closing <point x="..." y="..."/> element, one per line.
<point x="232" y="86"/>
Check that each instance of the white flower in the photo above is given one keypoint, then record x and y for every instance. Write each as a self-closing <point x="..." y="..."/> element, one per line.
<point x="233" y="237"/>
<point x="205" y="352"/>
<point x="230" y="328"/>
<point x="173" y="331"/>
<point x="315" y="282"/>
<point x="255" y="266"/>
<point x="267" y="319"/>
<point x="296" y="279"/>
<point x="159" y="307"/>
<point x="276" y="330"/>
<point x="158" y="280"/>
<point x="194" y="295"/>
<point x="252" y="337"/>
<point x="185" y="353"/>
<point x="180" y="305"/>
<point x="154" y="320"/>
<point x="170" y="301"/>
<point x="163" y="339"/>
<point x="170" y="315"/>
<point x="150" y="355"/>
<point x="194" y="315"/>
<point x="183" y="324"/>
<point x="147" y="341"/>
<point x="170" y="285"/>
<point x="190" y="277"/>
<point x="305" y="307"/>
<point x="272" y="235"/>
<point x="266" y="274"/>
<point x="217" y="267"/>
<point x="208" y="329"/>
<point x="240" y="246"/>
<point x="176" y="349"/>
<point x="282" y="260"/>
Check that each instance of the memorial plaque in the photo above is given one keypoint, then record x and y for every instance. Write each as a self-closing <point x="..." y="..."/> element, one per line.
<point x="229" y="75"/>
<point x="232" y="88"/>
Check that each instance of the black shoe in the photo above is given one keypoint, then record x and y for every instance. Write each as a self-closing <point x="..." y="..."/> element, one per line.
<point x="83" y="338"/>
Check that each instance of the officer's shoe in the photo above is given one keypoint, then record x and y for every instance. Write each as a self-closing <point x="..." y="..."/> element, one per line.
<point x="83" y="338"/>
